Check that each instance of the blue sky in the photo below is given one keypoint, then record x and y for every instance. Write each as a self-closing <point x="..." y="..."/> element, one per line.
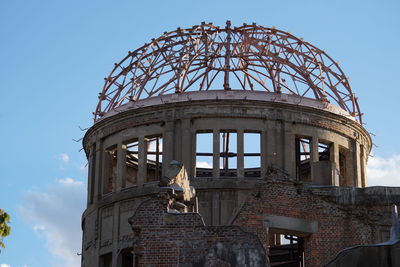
<point x="55" y="54"/>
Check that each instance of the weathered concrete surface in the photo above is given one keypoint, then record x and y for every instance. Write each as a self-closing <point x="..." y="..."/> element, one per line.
<point x="292" y="224"/>
<point x="279" y="123"/>
<point x="382" y="255"/>
<point x="225" y="202"/>
<point x="374" y="195"/>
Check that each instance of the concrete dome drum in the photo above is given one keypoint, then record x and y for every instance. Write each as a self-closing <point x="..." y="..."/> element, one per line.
<point x="258" y="128"/>
<point x="206" y="57"/>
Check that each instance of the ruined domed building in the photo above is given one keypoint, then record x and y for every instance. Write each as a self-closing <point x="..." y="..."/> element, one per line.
<point x="228" y="146"/>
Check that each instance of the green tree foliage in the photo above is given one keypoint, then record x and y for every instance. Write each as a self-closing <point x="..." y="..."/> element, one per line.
<point x="4" y="226"/>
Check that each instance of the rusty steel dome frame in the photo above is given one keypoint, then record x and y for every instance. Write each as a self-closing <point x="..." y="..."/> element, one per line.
<point x="207" y="57"/>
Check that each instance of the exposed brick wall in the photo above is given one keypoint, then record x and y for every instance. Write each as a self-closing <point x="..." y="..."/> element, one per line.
<point x="339" y="225"/>
<point x="344" y="219"/>
<point x="167" y="239"/>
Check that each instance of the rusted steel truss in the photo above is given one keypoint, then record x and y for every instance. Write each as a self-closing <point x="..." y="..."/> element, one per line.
<point x="207" y="57"/>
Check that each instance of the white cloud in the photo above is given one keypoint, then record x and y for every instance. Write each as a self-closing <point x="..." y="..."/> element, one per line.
<point x="383" y="171"/>
<point x="38" y="227"/>
<point x="6" y="265"/>
<point x="64" y="158"/>
<point x="55" y="212"/>
<point x="67" y="181"/>
<point x="203" y="164"/>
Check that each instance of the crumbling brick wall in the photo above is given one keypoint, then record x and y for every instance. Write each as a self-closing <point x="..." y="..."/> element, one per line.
<point x="340" y="225"/>
<point x="345" y="217"/>
<point x="172" y="239"/>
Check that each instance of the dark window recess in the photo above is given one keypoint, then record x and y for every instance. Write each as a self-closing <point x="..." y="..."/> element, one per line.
<point x="126" y="258"/>
<point x="324" y="151"/>
<point x="153" y="157"/>
<point x="204" y="154"/>
<point x="106" y="260"/>
<point x="228" y="154"/>
<point x="286" y="250"/>
<point x="252" y="154"/>
<point x="131" y="163"/>
<point x="303" y="165"/>
<point x="111" y="169"/>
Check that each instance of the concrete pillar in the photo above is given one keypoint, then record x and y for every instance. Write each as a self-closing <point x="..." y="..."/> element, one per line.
<point x="91" y="174"/>
<point x="216" y="150"/>
<point x="95" y="259"/>
<point x="192" y="172"/>
<point x="98" y="180"/>
<point x="289" y="149"/>
<point x="240" y="153"/>
<point x="216" y="208"/>
<point x="335" y="163"/>
<point x="168" y="145"/>
<point x="362" y="166"/>
<point x="121" y="166"/>
<point x="98" y="172"/>
<point x="186" y="149"/>
<point x="264" y="153"/>
<point x="104" y="170"/>
<point x="270" y="145"/>
<point x="177" y="152"/>
<point x="352" y="162"/>
<point x="279" y="144"/>
<point x="357" y="164"/>
<point x="115" y="234"/>
<point x="314" y="157"/>
<point x="142" y="171"/>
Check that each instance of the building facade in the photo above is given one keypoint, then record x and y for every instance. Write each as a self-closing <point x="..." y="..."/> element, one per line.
<point x="264" y="131"/>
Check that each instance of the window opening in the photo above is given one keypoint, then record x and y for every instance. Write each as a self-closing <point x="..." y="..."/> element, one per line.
<point x="106" y="260"/>
<point x="286" y="250"/>
<point x="252" y="154"/>
<point x="111" y="169"/>
<point x="131" y="163"/>
<point x="126" y="258"/>
<point x="324" y="151"/>
<point x="204" y="154"/>
<point x="303" y="165"/>
<point x="154" y="157"/>
<point x="228" y="153"/>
